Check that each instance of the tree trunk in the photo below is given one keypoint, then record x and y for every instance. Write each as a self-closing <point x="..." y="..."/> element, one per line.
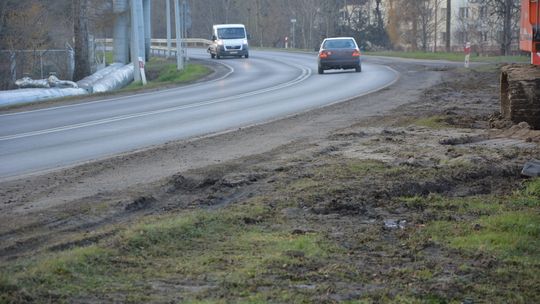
<point x="414" y="42"/>
<point x="507" y="28"/>
<point x="80" y="31"/>
<point x="436" y="26"/>
<point x="448" y="24"/>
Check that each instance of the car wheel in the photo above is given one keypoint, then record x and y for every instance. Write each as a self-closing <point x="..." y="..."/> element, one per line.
<point x="321" y="70"/>
<point x="358" y="68"/>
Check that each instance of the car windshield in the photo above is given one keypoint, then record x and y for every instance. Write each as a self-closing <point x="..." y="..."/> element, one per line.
<point x="231" y="33"/>
<point x="339" y="44"/>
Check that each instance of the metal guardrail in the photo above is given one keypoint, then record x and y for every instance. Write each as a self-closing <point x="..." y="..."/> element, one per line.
<point x="159" y="46"/>
<point x="163" y="42"/>
<point x="186" y="41"/>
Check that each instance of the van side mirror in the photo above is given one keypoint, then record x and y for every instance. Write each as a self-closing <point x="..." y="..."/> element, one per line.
<point x="214" y="38"/>
<point x="248" y="36"/>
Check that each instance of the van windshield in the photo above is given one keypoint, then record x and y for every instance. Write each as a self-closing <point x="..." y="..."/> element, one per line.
<point x="231" y="33"/>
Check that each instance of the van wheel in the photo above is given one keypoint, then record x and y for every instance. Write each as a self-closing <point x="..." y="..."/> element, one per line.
<point x="246" y="55"/>
<point x="218" y="57"/>
<point x="212" y="56"/>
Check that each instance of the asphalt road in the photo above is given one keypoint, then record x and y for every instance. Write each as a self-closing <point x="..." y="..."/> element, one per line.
<point x="265" y="87"/>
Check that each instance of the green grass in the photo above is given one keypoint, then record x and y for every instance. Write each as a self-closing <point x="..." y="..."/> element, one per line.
<point x="109" y="57"/>
<point x="449" y="56"/>
<point x="206" y="248"/>
<point x="433" y="122"/>
<point x="161" y="72"/>
<point x="246" y="252"/>
<point x="504" y="228"/>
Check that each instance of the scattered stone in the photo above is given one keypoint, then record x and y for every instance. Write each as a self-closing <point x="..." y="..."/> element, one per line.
<point x="453" y="141"/>
<point x="531" y="168"/>
<point x="394" y="224"/>
<point x="292" y="212"/>
<point x="524" y="125"/>
<point x="477" y="227"/>
<point x="140" y="203"/>
<point x="295" y="254"/>
<point x="305" y="286"/>
<point x="252" y="221"/>
<point x="299" y="231"/>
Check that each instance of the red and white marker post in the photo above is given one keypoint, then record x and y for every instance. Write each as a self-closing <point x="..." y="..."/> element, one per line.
<point x="141" y="69"/>
<point x="467" y="51"/>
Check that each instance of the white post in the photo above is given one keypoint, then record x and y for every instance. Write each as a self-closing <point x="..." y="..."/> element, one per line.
<point x="168" y="28"/>
<point x="141" y="70"/>
<point x="293" y="44"/>
<point x="179" y="60"/>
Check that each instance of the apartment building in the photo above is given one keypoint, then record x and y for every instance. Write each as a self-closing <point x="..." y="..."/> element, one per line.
<point x="471" y="21"/>
<point x="475" y="22"/>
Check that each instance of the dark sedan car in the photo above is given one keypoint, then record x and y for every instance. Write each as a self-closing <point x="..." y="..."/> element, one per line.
<point x="339" y="53"/>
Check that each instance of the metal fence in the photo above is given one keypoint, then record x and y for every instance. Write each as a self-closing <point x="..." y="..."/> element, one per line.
<point x="36" y="64"/>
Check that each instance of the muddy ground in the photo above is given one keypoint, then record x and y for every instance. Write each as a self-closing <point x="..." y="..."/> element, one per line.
<point x="345" y="172"/>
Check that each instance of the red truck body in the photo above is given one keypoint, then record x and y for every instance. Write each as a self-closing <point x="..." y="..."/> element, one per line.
<point x="529" y="37"/>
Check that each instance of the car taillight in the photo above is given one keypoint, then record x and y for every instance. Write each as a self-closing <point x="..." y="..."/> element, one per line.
<point x="324" y="54"/>
<point x="356" y="53"/>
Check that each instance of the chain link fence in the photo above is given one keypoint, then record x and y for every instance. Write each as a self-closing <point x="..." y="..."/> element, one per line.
<point x="36" y="64"/>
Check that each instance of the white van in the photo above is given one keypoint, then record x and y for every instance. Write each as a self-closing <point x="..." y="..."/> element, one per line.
<point x="229" y="40"/>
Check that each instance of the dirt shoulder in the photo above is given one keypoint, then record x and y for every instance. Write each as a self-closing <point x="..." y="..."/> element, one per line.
<point x="356" y="184"/>
<point x="150" y="165"/>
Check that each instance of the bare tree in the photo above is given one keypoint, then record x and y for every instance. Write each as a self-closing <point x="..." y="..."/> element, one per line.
<point x="506" y="11"/>
<point x="427" y="13"/>
<point x="394" y="22"/>
<point x="23" y="25"/>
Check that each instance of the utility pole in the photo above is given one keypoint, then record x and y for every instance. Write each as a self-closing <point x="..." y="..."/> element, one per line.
<point x="137" y="44"/>
<point x="179" y="59"/>
<point x="147" y="15"/>
<point x="183" y="13"/>
<point x="168" y="2"/>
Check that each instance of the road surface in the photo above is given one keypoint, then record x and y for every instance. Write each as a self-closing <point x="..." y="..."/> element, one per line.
<point x="267" y="86"/>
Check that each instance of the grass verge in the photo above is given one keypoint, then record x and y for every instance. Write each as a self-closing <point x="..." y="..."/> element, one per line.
<point x="162" y="72"/>
<point x="450" y="56"/>
<point x="487" y="247"/>
<point x="235" y="249"/>
<point x="500" y="233"/>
